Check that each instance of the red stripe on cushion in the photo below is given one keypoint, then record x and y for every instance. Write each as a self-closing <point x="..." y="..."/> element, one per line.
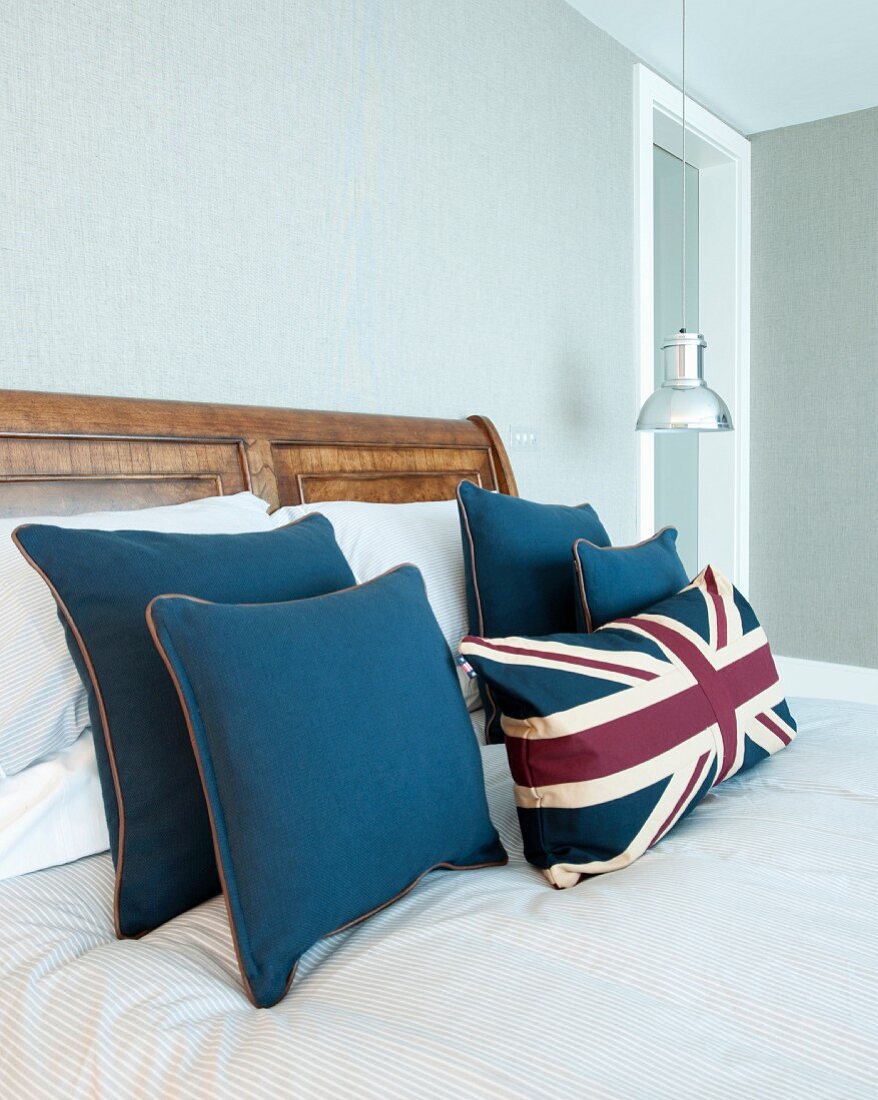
<point x="564" y="658"/>
<point x="774" y="728"/>
<point x="712" y="683"/>
<point x="726" y="688"/>
<point x="750" y="675"/>
<point x="613" y="746"/>
<point x="722" y="631"/>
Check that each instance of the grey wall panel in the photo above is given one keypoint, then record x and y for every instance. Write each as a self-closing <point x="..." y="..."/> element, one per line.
<point x="814" y="460"/>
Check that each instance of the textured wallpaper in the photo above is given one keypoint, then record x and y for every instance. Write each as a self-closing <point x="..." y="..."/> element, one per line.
<point x="408" y="206"/>
<point x="814" y="463"/>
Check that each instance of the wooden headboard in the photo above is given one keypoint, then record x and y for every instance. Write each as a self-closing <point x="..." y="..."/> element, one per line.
<point x="63" y="453"/>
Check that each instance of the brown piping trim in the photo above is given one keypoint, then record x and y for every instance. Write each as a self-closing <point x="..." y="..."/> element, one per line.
<point x="210" y="812"/>
<point x="472" y="550"/>
<point x="105" y="726"/>
<point x="633" y="545"/>
<point x="489" y="722"/>
<point x="586" y="610"/>
<point x="580" y="581"/>
<point x="96" y="687"/>
<point x="280" y="603"/>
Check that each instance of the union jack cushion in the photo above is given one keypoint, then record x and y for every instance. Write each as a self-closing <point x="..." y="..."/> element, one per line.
<point x="614" y="736"/>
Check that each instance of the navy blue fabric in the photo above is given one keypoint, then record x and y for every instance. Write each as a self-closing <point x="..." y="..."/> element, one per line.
<point x="688" y="607"/>
<point x="618" y="581"/>
<point x="748" y="616"/>
<point x="158" y="824"/>
<point x="337" y="755"/>
<point x="517" y="562"/>
<point x="782" y="710"/>
<point x="753" y="755"/>
<point x="589" y="832"/>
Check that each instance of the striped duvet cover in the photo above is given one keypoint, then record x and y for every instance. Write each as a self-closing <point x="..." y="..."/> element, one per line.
<point x="737" y="958"/>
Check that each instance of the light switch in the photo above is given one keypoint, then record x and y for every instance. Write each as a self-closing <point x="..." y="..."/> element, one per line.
<point x="523" y="438"/>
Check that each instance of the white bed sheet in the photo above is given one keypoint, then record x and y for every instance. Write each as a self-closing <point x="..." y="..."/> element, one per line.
<point x="739" y="958"/>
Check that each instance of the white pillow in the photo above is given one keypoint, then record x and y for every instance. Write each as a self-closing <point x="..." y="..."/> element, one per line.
<point x="52" y="812"/>
<point x="43" y="707"/>
<point x="377" y="537"/>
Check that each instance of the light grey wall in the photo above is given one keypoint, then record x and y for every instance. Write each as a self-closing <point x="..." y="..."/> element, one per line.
<point x="410" y="207"/>
<point x="675" y="454"/>
<point x="814" y="462"/>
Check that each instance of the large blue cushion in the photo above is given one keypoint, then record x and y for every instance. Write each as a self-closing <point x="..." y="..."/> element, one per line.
<point x="159" y="830"/>
<point x="518" y="575"/>
<point x="337" y="756"/>
<point x="623" y="580"/>
<point x="614" y="736"/>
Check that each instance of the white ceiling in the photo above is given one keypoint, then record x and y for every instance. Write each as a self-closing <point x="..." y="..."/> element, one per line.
<point x="759" y="64"/>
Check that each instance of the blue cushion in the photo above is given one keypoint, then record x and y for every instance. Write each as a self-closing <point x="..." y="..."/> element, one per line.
<point x="337" y="756"/>
<point x="517" y="562"/>
<point x="623" y="580"/>
<point x="158" y="824"/>
<point x="613" y="737"/>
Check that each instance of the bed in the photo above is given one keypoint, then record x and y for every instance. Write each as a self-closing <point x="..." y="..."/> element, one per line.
<point x="739" y="957"/>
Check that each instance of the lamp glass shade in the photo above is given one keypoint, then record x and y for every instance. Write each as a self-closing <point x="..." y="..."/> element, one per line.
<point x="684" y="402"/>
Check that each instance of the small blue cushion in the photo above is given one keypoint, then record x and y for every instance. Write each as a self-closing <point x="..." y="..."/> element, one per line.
<point x="623" y="580"/>
<point x="159" y="829"/>
<point x="517" y="561"/>
<point x="337" y="757"/>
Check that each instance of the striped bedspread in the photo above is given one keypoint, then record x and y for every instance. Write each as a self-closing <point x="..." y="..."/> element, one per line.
<point x="737" y="958"/>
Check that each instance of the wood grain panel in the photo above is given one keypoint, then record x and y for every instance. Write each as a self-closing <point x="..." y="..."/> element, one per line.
<point x="56" y="475"/>
<point x="62" y="453"/>
<point x="308" y="472"/>
<point x="381" y="487"/>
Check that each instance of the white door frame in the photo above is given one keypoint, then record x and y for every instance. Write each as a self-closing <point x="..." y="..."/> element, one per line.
<point x="722" y="157"/>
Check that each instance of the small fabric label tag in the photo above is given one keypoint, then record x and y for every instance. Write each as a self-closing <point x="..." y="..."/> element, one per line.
<point x="466" y="667"/>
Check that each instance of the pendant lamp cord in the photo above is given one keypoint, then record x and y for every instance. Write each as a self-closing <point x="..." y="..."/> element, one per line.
<point x="683" y="287"/>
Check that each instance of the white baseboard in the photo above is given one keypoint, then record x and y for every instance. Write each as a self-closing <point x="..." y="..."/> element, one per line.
<point x="822" y="680"/>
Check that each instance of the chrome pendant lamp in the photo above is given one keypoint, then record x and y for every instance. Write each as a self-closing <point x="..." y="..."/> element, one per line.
<point x="684" y="402"/>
